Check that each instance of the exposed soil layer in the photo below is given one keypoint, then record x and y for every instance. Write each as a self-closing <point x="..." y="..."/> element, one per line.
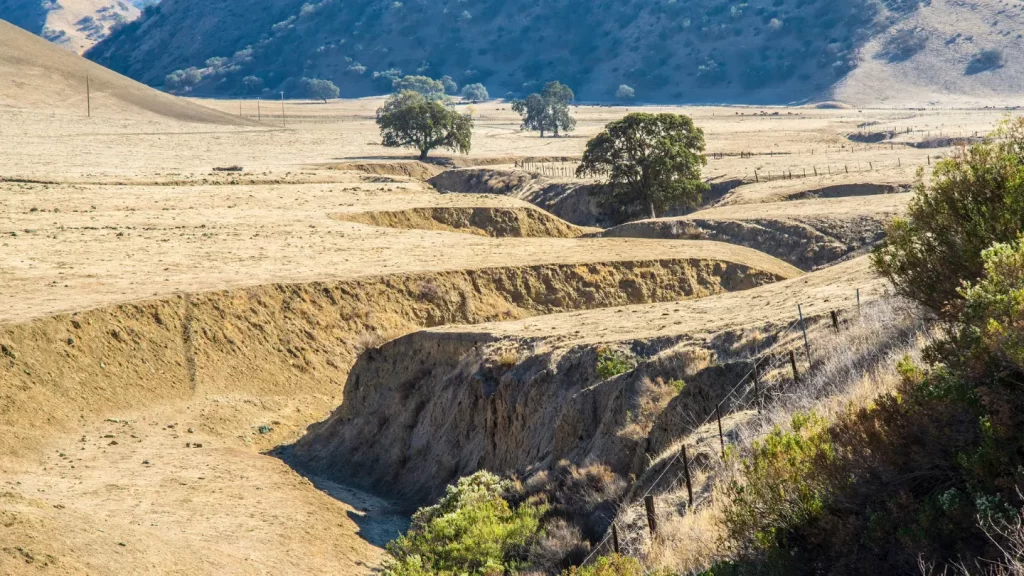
<point x="521" y="397"/>
<point x="294" y="339"/>
<point x="790" y="190"/>
<point x="573" y="202"/>
<point x="806" y="233"/>
<point x="410" y="169"/>
<point x="488" y="221"/>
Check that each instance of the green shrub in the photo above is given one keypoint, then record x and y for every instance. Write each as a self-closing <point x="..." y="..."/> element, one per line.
<point x="976" y="199"/>
<point x="613" y="565"/>
<point x="781" y="486"/>
<point x="472" y="530"/>
<point x="911" y="476"/>
<point x="611" y="362"/>
<point x="994" y="306"/>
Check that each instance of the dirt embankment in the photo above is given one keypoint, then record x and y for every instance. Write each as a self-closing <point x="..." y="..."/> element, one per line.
<point x="806" y="244"/>
<point x="491" y="221"/>
<point x="407" y="168"/>
<point x="431" y="407"/>
<point x="573" y="202"/>
<point x="290" y="339"/>
<point x="845" y="190"/>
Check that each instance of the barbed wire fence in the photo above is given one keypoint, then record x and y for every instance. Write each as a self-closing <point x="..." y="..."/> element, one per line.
<point x="760" y="387"/>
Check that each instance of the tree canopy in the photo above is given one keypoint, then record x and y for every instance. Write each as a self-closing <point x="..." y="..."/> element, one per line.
<point x="976" y="198"/>
<point x="431" y="89"/>
<point x="319" y="89"/>
<point x="408" y="119"/>
<point x="547" y="111"/>
<point x="475" y="92"/>
<point x="651" y="162"/>
<point x="450" y="87"/>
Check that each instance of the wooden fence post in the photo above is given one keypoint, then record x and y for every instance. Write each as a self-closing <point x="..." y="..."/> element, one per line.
<point x="615" y="538"/>
<point x="803" y="325"/>
<point x="835" y="321"/>
<point x="757" y="388"/>
<point x="721" y="437"/>
<point x="652" y="521"/>
<point x="686" y="473"/>
<point x="792" y="362"/>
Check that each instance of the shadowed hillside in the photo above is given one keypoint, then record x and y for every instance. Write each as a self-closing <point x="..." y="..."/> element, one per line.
<point x="703" y="50"/>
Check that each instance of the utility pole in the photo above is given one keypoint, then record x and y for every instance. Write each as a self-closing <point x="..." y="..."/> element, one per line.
<point x="88" y="96"/>
<point x="284" y="123"/>
<point x="259" y="114"/>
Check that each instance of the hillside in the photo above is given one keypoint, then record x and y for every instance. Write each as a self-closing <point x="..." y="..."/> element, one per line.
<point x="73" y="24"/>
<point x="699" y="51"/>
<point x="36" y="76"/>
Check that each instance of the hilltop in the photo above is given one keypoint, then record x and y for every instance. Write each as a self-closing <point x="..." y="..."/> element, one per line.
<point x="73" y="24"/>
<point x="759" y="51"/>
<point x="39" y="77"/>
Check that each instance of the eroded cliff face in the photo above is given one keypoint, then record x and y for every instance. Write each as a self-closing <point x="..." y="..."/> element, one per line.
<point x="288" y="340"/>
<point x="434" y="406"/>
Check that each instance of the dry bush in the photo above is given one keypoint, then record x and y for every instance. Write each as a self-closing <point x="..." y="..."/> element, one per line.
<point x="373" y="340"/>
<point x="586" y="496"/>
<point x="651" y="399"/>
<point x="508" y="358"/>
<point x="853" y="366"/>
<point x="561" y="546"/>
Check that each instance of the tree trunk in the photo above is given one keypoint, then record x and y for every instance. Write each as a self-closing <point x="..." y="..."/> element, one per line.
<point x="423" y="154"/>
<point x="650" y="205"/>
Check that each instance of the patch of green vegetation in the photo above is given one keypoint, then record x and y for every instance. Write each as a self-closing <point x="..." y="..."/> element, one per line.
<point x="472" y="530"/>
<point x="611" y="362"/>
<point x="927" y="473"/>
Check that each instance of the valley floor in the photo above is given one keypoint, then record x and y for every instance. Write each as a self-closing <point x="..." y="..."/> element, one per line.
<point x="166" y="326"/>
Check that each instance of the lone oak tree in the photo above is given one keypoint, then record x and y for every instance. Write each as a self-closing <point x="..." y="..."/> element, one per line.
<point x="408" y="119"/>
<point x="652" y="162"/>
<point x="548" y="110"/>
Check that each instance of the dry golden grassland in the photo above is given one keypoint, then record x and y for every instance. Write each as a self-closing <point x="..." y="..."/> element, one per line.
<point x="165" y="324"/>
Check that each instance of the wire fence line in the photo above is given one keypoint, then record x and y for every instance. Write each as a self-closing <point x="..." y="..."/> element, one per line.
<point x="752" y="380"/>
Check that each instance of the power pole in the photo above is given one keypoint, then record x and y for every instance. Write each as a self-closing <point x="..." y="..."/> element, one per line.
<point x="88" y="96"/>
<point x="259" y="114"/>
<point x="284" y="123"/>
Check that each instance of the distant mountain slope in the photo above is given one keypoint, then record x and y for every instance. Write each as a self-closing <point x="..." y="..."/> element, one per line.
<point x="74" y="24"/>
<point x="764" y="51"/>
<point x="36" y="76"/>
